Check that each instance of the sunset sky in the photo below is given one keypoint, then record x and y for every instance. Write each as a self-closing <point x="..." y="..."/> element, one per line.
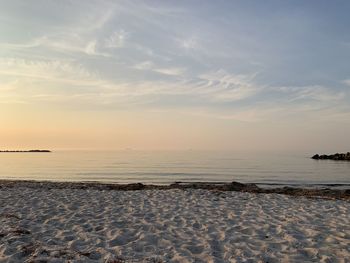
<point x="220" y="75"/>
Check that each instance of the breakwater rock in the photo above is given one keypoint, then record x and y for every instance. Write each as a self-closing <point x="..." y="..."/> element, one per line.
<point x="25" y="151"/>
<point x="336" y="157"/>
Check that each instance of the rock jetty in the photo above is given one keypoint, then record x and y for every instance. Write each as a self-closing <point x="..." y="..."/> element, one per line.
<point x="25" y="151"/>
<point x="336" y="157"/>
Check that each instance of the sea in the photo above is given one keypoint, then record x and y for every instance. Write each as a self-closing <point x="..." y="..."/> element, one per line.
<point x="165" y="167"/>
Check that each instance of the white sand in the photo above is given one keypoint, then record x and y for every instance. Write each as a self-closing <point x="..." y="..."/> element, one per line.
<point x="172" y="226"/>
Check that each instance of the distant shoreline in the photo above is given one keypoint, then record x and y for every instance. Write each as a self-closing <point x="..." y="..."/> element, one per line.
<point x="25" y="151"/>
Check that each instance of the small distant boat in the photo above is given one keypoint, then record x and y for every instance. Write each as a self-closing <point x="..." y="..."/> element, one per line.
<point x="25" y="151"/>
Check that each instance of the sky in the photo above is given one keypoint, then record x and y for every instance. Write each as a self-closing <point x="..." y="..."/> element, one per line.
<point x="175" y="75"/>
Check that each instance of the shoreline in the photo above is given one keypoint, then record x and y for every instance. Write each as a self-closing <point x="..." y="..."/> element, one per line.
<point x="315" y="192"/>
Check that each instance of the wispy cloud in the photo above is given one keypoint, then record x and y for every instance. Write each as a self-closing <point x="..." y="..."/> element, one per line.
<point x="145" y="65"/>
<point x="315" y="92"/>
<point x="63" y="43"/>
<point x="190" y="43"/>
<point x="151" y="66"/>
<point x="117" y="39"/>
<point x="170" y="71"/>
<point x="347" y="82"/>
<point x="44" y="69"/>
<point x="223" y="86"/>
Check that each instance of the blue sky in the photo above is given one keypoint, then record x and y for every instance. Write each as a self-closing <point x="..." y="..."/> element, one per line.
<point x="258" y="63"/>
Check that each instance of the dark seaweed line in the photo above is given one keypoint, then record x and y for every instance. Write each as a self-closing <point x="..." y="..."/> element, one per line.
<point x="325" y="193"/>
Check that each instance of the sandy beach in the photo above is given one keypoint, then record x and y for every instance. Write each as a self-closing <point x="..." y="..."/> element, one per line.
<point x="175" y="225"/>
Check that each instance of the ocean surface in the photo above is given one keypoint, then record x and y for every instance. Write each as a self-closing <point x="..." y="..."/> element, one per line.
<point x="162" y="167"/>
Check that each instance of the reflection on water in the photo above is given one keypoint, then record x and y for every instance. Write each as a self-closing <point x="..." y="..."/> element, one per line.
<point x="168" y="167"/>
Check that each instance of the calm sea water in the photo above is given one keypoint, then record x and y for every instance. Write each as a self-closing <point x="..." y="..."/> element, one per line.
<point x="167" y="167"/>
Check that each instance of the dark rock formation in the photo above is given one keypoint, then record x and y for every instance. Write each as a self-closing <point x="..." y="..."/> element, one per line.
<point x="336" y="157"/>
<point x="23" y="151"/>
